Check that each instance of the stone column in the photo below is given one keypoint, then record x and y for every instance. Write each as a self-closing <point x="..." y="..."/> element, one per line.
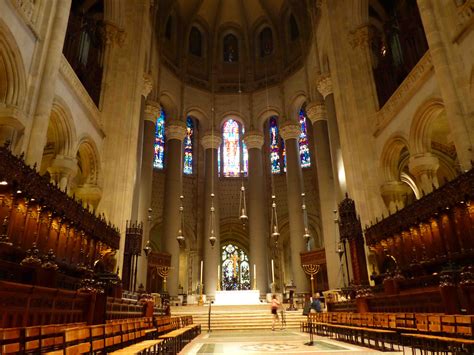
<point x="175" y="133"/>
<point x="290" y="132"/>
<point x="444" y="75"/>
<point x="212" y="255"/>
<point x="39" y="128"/>
<point x="423" y="167"/>
<point x="152" y="112"/>
<point x="62" y="170"/>
<point x="394" y="195"/>
<point x="325" y="88"/>
<point x="258" y="216"/>
<point x="316" y="112"/>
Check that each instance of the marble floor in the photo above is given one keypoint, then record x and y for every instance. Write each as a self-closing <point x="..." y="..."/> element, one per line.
<point x="266" y="341"/>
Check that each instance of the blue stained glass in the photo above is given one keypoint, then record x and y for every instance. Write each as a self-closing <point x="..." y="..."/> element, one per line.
<point x="283" y="153"/>
<point x="231" y="148"/>
<point x="303" y="141"/>
<point x="274" y="146"/>
<point x="219" y="161"/>
<point x="159" y="153"/>
<point x="245" y="153"/>
<point x="188" y="147"/>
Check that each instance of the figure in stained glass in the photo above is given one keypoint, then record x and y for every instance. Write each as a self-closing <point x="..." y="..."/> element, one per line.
<point x="303" y="141"/>
<point x="235" y="268"/>
<point x="188" y="147"/>
<point x="159" y="153"/>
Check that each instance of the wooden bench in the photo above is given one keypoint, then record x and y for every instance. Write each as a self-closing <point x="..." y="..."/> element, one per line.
<point x="144" y="347"/>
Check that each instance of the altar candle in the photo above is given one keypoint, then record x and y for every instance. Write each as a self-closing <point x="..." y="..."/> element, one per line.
<point x="273" y="273"/>
<point x="218" y="272"/>
<point x="201" y="271"/>
<point x="254" y="271"/>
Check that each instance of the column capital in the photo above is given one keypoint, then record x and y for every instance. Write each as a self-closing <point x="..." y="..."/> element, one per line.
<point x="147" y="84"/>
<point x="423" y="163"/>
<point x="254" y="139"/>
<point x="211" y="141"/>
<point x="63" y="164"/>
<point x="152" y="111"/>
<point x="175" y="130"/>
<point x="361" y="37"/>
<point x="316" y="111"/>
<point x="290" y="130"/>
<point x="324" y="84"/>
<point x="112" y="34"/>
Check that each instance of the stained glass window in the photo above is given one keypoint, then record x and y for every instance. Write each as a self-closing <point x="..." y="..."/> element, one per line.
<point x="188" y="147"/>
<point x="234" y="158"/>
<point x="159" y="153"/>
<point x="274" y="146"/>
<point x="235" y="268"/>
<point x="283" y="154"/>
<point x="303" y="141"/>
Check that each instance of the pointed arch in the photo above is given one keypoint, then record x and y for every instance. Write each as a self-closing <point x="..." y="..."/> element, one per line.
<point x="88" y="161"/>
<point x="390" y="157"/>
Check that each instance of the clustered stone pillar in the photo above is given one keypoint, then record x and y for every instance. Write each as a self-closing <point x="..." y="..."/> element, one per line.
<point x="39" y="128"/>
<point x="290" y="131"/>
<point x="316" y="112"/>
<point x="152" y="112"/>
<point x="258" y="226"/>
<point x="325" y="88"/>
<point x="458" y="120"/>
<point x="175" y="133"/>
<point x="394" y="194"/>
<point x="211" y="143"/>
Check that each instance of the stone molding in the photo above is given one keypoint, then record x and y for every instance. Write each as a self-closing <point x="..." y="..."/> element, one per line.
<point x="324" y="84"/>
<point x="254" y="140"/>
<point x="210" y="141"/>
<point x="175" y="130"/>
<point x="74" y="82"/>
<point x="465" y="14"/>
<point x="147" y="84"/>
<point x="316" y="111"/>
<point x="415" y="79"/>
<point x="28" y="10"/>
<point x="152" y="111"/>
<point x="290" y="130"/>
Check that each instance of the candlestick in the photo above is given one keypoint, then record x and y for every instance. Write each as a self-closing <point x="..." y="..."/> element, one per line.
<point x="218" y="277"/>
<point x="273" y="273"/>
<point x="201" y="272"/>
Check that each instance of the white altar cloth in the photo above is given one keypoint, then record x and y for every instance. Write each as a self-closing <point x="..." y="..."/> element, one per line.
<point x="237" y="297"/>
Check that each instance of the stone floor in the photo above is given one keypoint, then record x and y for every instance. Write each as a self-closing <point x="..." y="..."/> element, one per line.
<point x="266" y="341"/>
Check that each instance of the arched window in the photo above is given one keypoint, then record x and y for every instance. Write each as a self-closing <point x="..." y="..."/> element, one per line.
<point x="231" y="48"/>
<point x="266" y="42"/>
<point x="303" y="140"/>
<point x="235" y="268"/>
<point x="195" y="42"/>
<point x="188" y="147"/>
<point x="234" y="158"/>
<point x="277" y="148"/>
<point x="294" y="31"/>
<point x="159" y="154"/>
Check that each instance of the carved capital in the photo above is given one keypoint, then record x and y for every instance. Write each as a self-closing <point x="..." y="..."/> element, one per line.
<point x="152" y="111"/>
<point x="210" y="141"/>
<point x="254" y="139"/>
<point x="316" y="111"/>
<point x="324" y="84"/>
<point x="147" y="84"/>
<point x="361" y="37"/>
<point x="394" y="194"/>
<point x="175" y="130"/>
<point x="290" y="130"/>
<point x="112" y="34"/>
<point x="423" y="167"/>
<point x="89" y="194"/>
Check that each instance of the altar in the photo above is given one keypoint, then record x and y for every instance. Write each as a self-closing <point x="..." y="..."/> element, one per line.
<point x="237" y="297"/>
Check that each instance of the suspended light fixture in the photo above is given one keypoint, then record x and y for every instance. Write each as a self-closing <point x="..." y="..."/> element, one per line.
<point x="243" y="204"/>
<point x="274" y="221"/>
<point x="306" y="234"/>
<point x="212" y="234"/>
<point x="212" y="216"/>
<point x="180" y="236"/>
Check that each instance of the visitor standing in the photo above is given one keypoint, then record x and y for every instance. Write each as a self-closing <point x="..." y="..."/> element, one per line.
<point x="275" y="305"/>
<point x="315" y="304"/>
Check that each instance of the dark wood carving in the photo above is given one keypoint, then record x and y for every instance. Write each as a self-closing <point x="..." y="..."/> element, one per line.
<point x="155" y="260"/>
<point x="317" y="257"/>
<point x="133" y="246"/>
<point x="350" y="230"/>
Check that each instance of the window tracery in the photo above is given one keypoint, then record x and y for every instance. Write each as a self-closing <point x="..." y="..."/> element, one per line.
<point x="234" y="158"/>
<point x="188" y="147"/>
<point x="303" y="140"/>
<point x="235" y="268"/>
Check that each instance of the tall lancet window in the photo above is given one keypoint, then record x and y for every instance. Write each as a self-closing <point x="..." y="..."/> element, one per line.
<point x="188" y="147"/>
<point x="159" y="154"/>
<point x="274" y="146"/>
<point x="303" y="141"/>
<point x="234" y="152"/>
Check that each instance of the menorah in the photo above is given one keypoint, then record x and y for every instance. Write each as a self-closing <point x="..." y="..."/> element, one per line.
<point x="311" y="269"/>
<point x="163" y="271"/>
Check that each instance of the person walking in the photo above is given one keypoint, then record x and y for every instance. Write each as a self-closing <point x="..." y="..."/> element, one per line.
<point x="275" y="305"/>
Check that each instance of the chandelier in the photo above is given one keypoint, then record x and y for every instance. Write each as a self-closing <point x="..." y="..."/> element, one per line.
<point x="306" y="234"/>
<point x="243" y="204"/>
<point x="274" y="222"/>
<point x="180" y="236"/>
